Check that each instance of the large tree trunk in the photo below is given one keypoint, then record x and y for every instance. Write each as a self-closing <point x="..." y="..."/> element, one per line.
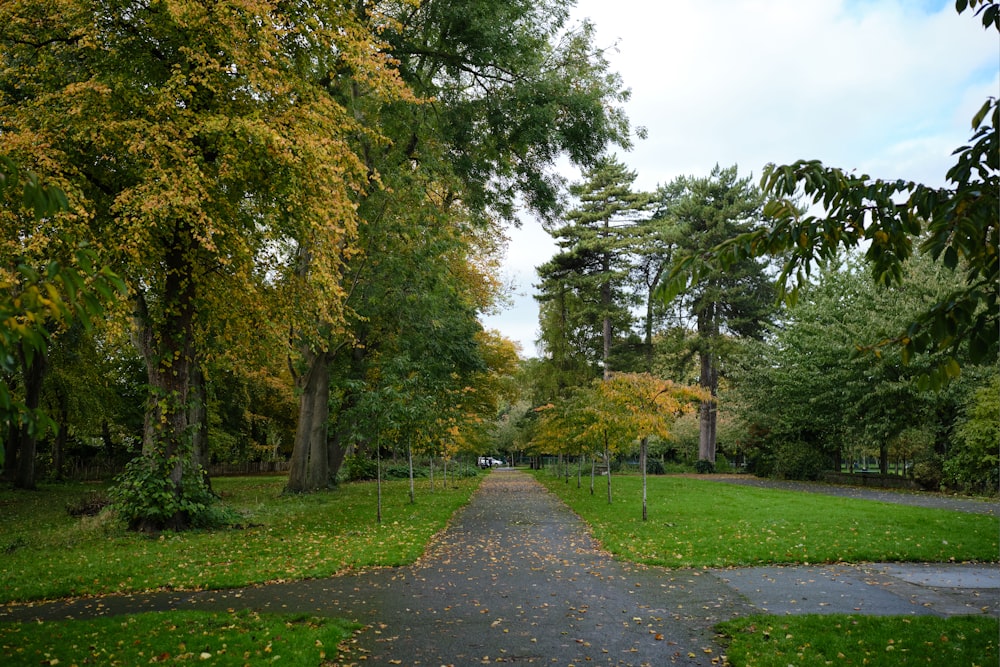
<point x="167" y="346"/>
<point x="707" y="379"/>
<point x="336" y="452"/>
<point x="310" y="468"/>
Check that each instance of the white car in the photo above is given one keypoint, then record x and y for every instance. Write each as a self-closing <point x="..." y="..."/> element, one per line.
<point x="489" y="462"/>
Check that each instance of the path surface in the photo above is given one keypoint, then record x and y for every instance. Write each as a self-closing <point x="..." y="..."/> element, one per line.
<point x="517" y="579"/>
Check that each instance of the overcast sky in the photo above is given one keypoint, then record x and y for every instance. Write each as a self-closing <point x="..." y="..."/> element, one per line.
<point x="886" y="87"/>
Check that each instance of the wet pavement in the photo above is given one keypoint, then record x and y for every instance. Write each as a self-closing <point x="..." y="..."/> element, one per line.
<point x="516" y="578"/>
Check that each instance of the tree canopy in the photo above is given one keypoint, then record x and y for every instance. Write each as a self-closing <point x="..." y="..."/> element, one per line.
<point x="814" y="211"/>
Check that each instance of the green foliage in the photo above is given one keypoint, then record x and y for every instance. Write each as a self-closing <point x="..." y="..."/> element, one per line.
<point x="796" y="460"/>
<point x="817" y="640"/>
<point x="146" y="497"/>
<point x="39" y="296"/>
<point x="956" y="225"/>
<point x="244" y="637"/>
<point x="744" y="525"/>
<point x="808" y="401"/>
<point x="928" y="471"/>
<point x="704" y="467"/>
<point x="973" y="464"/>
<point x="655" y="467"/>
<point x="360" y="468"/>
<point x="585" y="297"/>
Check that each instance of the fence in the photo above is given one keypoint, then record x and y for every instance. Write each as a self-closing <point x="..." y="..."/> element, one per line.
<point x="106" y="471"/>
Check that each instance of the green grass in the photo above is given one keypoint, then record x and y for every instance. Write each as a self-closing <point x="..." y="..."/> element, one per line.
<point x="803" y="641"/>
<point x="202" y="638"/>
<point x="696" y="523"/>
<point x="48" y="554"/>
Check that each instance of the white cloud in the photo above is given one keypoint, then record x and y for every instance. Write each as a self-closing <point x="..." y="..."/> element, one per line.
<point x="883" y="86"/>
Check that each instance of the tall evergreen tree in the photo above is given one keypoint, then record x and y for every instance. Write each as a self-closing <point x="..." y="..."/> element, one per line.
<point x="593" y="263"/>
<point x="722" y="304"/>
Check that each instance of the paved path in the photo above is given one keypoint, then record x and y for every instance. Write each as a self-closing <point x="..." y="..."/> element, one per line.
<point x="517" y="579"/>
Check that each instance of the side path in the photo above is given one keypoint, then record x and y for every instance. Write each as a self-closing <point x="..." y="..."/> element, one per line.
<point x="516" y="578"/>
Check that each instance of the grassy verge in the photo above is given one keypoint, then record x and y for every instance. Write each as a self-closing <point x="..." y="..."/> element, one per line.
<point x="48" y="554"/>
<point x="203" y="638"/>
<point x="696" y="523"/>
<point x="778" y="641"/>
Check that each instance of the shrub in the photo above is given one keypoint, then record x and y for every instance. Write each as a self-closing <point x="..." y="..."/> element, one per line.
<point x="704" y="467"/>
<point x="146" y="499"/>
<point x="654" y="467"/>
<point x="360" y="468"/>
<point x="798" y="460"/>
<point x="973" y="462"/>
<point x="928" y="472"/>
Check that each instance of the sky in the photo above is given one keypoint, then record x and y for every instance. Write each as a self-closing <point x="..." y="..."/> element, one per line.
<point x="884" y="87"/>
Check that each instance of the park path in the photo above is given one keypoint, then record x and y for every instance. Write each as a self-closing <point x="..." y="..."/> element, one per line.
<point x="517" y="579"/>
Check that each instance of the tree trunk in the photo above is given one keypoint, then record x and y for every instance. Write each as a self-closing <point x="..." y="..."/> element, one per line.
<point x="642" y="464"/>
<point x="409" y="456"/>
<point x="310" y="467"/>
<point x="336" y="452"/>
<point x="707" y="379"/>
<point x="109" y="444"/>
<point x="34" y="373"/>
<point x="167" y="347"/>
<point x="198" y="419"/>
<point x="607" y="464"/>
<point x="378" y="476"/>
<point x="59" y="443"/>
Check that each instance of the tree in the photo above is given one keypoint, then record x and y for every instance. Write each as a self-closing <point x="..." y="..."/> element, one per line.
<point x="956" y="224"/>
<point x="611" y="415"/>
<point x="51" y="282"/>
<point x="640" y="406"/>
<point x="974" y="462"/>
<point x="201" y="143"/>
<point x="593" y="261"/>
<point x="504" y="89"/>
<point x="811" y="407"/>
<point x="734" y="302"/>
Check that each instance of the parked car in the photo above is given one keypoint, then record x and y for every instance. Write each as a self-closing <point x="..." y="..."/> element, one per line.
<point x="490" y="462"/>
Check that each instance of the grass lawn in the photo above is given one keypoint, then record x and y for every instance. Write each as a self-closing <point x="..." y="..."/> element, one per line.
<point x="700" y="523"/>
<point x="239" y="638"/>
<point x="48" y="554"/>
<point x="804" y="641"/>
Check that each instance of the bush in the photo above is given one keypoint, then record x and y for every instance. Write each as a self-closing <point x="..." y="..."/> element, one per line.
<point x="973" y="462"/>
<point x="798" y="460"/>
<point x="360" y="468"/>
<point x="146" y="499"/>
<point x="704" y="467"/>
<point x="928" y="472"/>
<point x="654" y="467"/>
